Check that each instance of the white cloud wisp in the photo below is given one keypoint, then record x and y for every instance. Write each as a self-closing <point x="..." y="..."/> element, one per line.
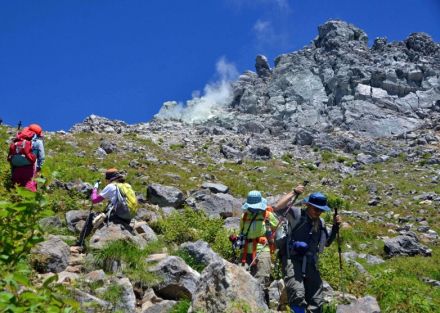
<point x="216" y="96"/>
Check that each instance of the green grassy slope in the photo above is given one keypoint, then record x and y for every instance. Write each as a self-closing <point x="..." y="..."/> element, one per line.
<point x="397" y="283"/>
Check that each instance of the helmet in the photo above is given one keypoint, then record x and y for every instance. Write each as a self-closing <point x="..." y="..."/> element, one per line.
<point x="36" y="129"/>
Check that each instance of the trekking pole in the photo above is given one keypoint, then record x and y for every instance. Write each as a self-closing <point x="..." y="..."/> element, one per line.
<point x="85" y="230"/>
<point x="289" y="206"/>
<point x="257" y="255"/>
<point x="88" y="225"/>
<point x="338" y="240"/>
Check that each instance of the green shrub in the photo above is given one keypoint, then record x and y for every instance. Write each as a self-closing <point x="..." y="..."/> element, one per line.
<point x="19" y="228"/>
<point x="287" y="157"/>
<point x="113" y="294"/>
<point x="341" y="159"/>
<point x="129" y="257"/>
<point x="181" y="307"/>
<point x="327" y="156"/>
<point x="190" y="260"/>
<point x="19" y="233"/>
<point x="399" y="291"/>
<point x="348" y="280"/>
<point x="335" y="201"/>
<point x="329" y="308"/>
<point x="191" y="225"/>
<point x="177" y="146"/>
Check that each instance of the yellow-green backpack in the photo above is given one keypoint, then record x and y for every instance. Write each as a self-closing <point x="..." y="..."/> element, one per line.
<point x="127" y="199"/>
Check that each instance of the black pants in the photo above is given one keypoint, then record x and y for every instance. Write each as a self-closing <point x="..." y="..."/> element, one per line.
<point x="88" y="226"/>
<point x="124" y="223"/>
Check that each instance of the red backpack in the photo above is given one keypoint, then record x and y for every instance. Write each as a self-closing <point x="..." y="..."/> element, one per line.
<point x="20" y="150"/>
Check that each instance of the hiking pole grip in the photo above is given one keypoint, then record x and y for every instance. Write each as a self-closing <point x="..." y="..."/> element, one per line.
<point x="292" y="202"/>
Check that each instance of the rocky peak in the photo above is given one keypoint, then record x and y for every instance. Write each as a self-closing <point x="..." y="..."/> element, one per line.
<point x="335" y="32"/>
<point x="262" y="66"/>
<point x="422" y="43"/>
<point x="336" y="93"/>
<point x="340" y="83"/>
<point x="94" y="123"/>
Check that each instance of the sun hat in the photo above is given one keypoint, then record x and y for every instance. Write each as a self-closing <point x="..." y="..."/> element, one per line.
<point x="317" y="200"/>
<point x="112" y="173"/>
<point x="255" y="201"/>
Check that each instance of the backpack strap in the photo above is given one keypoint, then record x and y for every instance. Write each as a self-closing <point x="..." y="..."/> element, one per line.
<point x="296" y="219"/>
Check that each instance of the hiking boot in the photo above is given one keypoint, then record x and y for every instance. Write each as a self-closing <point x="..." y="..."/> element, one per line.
<point x="76" y="249"/>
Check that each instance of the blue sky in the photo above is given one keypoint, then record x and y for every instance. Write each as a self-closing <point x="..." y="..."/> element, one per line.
<point x="62" y="60"/>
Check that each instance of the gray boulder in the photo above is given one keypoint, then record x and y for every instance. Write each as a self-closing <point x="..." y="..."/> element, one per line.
<point x="406" y="245"/>
<point x="201" y="251"/>
<point x="127" y="301"/>
<point x="179" y="281"/>
<point x="262" y="66"/>
<point x="100" y="153"/>
<point x="365" y="158"/>
<point x="232" y="223"/>
<point x="215" y="187"/>
<point x="334" y="32"/>
<point x="222" y="284"/>
<point x="163" y="306"/>
<point x="97" y="124"/>
<point x="112" y="232"/>
<point x="107" y="146"/>
<point x="303" y="138"/>
<point x="165" y="195"/>
<point x="259" y="153"/>
<point x="278" y="295"/>
<point x="216" y="205"/>
<point x="366" y="304"/>
<point x="154" y="304"/>
<point x="51" y="255"/>
<point x="75" y="216"/>
<point x="145" y="231"/>
<point x="90" y="303"/>
<point x="231" y="152"/>
<point x="422" y="43"/>
<point x="51" y="221"/>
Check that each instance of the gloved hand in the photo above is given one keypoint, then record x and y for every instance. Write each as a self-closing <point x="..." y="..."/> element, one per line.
<point x="299" y="247"/>
<point x="96" y="185"/>
<point x="298" y="190"/>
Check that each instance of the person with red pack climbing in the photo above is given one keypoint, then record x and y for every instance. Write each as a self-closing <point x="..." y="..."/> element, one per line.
<point x="305" y="238"/>
<point x="26" y="156"/>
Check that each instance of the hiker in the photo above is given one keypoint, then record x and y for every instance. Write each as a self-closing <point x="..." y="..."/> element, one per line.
<point x="38" y="147"/>
<point x="305" y="239"/>
<point x="121" y="208"/>
<point x="26" y="156"/>
<point x="256" y="241"/>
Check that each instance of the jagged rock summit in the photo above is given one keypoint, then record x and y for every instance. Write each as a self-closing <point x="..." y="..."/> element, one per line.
<point x="339" y="82"/>
<point x="335" y="93"/>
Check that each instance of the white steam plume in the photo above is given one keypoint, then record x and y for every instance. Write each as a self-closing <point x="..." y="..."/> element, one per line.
<point x="215" y="96"/>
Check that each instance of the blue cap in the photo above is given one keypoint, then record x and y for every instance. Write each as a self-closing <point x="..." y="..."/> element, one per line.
<point x="317" y="200"/>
